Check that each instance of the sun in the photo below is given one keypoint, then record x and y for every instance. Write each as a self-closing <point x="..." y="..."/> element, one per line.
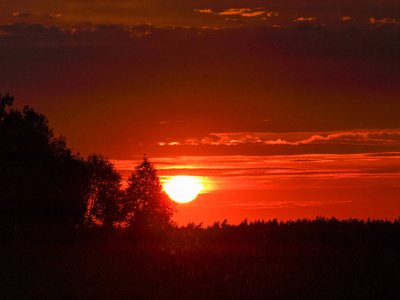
<point x="183" y="189"/>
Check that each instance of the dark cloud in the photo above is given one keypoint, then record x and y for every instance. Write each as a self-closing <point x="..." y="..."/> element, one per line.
<point x="390" y="154"/>
<point x="20" y="30"/>
<point x="22" y="15"/>
<point x="36" y="15"/>
<point x="98" y="82"/>
<point x="304" y="39"/>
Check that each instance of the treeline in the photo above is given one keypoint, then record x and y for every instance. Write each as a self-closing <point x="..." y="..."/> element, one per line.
<point x="45" y="188"/>
<point x="320" y="230"/>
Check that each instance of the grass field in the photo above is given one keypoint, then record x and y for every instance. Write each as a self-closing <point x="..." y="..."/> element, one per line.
<point x="250" y="261"/>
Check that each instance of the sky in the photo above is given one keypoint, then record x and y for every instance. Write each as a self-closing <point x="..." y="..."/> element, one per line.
<point x="285" y="109"/>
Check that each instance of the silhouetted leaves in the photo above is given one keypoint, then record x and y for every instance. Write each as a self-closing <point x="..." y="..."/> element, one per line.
<point x="105" y="192"/>
<point x="42" y="183"/>
<point x="5" y="101"/>
<point x="146" y="205"/>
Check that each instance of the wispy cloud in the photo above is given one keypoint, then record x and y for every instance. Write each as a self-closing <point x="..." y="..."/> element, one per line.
<point x="383" y="21"/>
<point x="281" y="204"/>
<point x="357" y="137"/>
<point x="244" y="12"/>
<point x="386" y="137"/>
<point x="54" y="16"/>
<point x="36" y="15"/>
<point x="22" y="15"/>
<point x="280" y="172"/>
<point x="254" y="13"/>
<point x="235" y="11"/>
<point x="204" y="11"/>
<point x="302" y="19"/>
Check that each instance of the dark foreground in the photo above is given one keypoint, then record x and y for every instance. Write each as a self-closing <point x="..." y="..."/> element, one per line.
<point x="310" y="260"/>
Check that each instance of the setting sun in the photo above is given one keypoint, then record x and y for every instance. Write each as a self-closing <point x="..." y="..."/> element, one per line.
<point x="183" y="189"/>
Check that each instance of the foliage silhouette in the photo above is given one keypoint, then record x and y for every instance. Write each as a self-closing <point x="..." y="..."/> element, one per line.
<point x="42" y="183"/>
<point x="105" y="194"/>
<point x="5" y="101"/>
<point x="146" y="205"/>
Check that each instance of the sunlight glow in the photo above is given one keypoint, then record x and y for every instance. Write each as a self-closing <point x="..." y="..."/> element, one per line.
<point x="183" y="189"/>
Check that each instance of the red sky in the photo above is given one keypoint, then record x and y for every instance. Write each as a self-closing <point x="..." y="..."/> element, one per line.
<point x="288" y="109"/>
<point x="285" y="186"/>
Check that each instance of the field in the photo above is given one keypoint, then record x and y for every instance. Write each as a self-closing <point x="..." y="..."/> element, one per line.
<point x="320" y="259"/>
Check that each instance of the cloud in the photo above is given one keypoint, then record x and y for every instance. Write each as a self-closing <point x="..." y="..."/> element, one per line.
<point x="253" y="14"/>
<point x="282" y="204"/>
<point x="235" y="11"/>
<point x="204" y="11"/>
<point x="385" y="137"/>
<point x="38" y="34"/>
<point x="354" y="42"/>
<point x="28" y="29"/>
<point x="22" y="15"/>
<point x="214" y="81"/>
<point x="277" y="142"/>
<point x="301" y="19"/>
<point x="244" y="12"/>
<point x="36" y="15"/>
<point x="383" y="21"/>
<point x="317" y="194"/>
<point x="272" y="14"/>
<point x="277" y="171"/>
<point x="388" y="154"/>
<point x="193" y="13"/>
<point x="54" y="16"/>
<point x="365" y="137"/>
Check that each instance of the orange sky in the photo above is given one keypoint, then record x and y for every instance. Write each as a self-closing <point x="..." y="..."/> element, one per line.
<point x="289" y="108"/>
<point x="285" y="186"/>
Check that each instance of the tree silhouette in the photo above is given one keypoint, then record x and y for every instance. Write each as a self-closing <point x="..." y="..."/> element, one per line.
<point x="41" y="182"/>
<point x="146" y="205"/>
<point x="104" y="197"/>
<point x="5" y="101"/>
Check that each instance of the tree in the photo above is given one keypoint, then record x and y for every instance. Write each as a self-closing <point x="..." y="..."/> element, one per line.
<point x="105" y="194"/>
<point x="146" y="205"/>
<point x="5" y="101"/>
<point x="42" y="183"/>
